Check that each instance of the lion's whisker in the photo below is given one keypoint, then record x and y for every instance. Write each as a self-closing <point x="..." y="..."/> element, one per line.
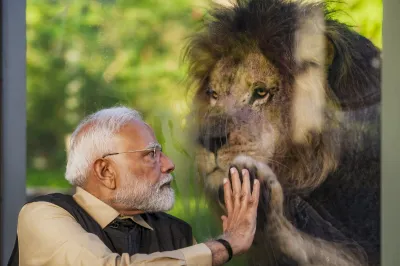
<point x="279" y="163"/>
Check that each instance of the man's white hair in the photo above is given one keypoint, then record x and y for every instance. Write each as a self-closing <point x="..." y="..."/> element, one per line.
<point x="93" y="138"/>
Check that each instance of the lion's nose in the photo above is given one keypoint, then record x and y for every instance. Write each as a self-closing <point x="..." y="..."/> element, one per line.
<point x="214" y="132"/>
<point x="213" y="144"/>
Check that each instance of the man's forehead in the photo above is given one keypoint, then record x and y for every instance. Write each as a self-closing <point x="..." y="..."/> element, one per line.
<point x="138" y="133"/>
<point x="137" y="127"/>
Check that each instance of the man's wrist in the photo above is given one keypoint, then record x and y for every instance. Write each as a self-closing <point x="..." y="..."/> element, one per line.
<point x="228" y="247"/>
<point x="219" y="253"/>
<point x="235" y="245"/>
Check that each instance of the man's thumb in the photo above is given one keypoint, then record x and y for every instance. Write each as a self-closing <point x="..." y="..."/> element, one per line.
<point x="224" y="222"/>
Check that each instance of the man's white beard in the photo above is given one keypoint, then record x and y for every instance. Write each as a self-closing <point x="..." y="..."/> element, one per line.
<point x="139" y="194"/>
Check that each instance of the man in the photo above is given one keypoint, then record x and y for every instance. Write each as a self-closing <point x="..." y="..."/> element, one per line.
<point x="117" y="217"/>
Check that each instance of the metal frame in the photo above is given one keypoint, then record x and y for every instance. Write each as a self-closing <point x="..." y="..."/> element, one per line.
<point x="13" y="120"/>
<point x="390" y="164"/>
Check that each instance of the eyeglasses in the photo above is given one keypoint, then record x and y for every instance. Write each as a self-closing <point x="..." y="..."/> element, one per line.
<point x="154" y="150"/>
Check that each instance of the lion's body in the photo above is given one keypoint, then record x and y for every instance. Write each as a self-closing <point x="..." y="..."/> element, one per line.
<point x="352" y="193"/>
<point x="298" y="93"/>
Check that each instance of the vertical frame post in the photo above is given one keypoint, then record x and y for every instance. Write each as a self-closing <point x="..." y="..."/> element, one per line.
<point x="390" y="133"/>
<point x="13" y="120"/>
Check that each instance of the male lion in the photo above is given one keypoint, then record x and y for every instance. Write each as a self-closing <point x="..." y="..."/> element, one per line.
<point x="284" y="90"/>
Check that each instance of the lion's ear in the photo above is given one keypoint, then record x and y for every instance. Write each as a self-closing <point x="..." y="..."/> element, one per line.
<point x="354" y="67"/>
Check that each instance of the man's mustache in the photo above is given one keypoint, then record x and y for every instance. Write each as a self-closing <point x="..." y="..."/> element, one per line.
<point x="167" y="179"/>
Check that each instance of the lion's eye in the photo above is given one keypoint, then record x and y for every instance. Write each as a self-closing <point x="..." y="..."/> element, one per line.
<point x="260" y="92"/>
<point x="212" y="93"/>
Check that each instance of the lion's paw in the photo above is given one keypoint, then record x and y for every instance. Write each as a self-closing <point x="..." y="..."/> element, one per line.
<point x="271" y="192"/>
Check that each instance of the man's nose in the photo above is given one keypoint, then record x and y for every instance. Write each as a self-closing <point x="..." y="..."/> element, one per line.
<point x="167" y="166"/>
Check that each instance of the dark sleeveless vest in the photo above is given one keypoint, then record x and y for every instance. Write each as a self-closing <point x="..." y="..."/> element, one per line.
<point x="124" y="235"/>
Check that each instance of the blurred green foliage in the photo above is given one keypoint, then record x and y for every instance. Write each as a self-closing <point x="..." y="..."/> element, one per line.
<point x="365" y="16"/>
<point x="87" y="55"/>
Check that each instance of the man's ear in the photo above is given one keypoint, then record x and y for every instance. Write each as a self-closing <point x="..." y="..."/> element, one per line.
<point x="353" y="65"/>
<point x="105" y="173"/>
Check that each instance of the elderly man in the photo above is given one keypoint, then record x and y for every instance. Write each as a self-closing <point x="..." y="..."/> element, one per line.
<point x="117" y="217"/>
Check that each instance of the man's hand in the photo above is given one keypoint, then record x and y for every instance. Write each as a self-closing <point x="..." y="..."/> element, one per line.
<point x="239" y="224"/>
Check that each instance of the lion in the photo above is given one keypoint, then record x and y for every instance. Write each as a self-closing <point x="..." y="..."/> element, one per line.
<point x="288" y="92"/>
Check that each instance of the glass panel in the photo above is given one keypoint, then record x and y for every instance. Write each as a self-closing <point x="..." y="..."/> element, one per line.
<point x="86" y="55"/>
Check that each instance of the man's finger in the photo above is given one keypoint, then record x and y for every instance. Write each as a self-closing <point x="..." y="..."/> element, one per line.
<point x="228" y="196"/>
<point x="256" y="194"/>
<point x="224" y="223"/>
<point x="245" y="194"/>
<point x="246" y="185"/>
<point x="236" y="187"/>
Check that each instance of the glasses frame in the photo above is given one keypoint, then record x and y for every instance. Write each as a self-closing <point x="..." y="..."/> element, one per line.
<point x="153" y="148"/>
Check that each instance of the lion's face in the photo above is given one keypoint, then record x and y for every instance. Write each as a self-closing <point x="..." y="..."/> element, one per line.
<point x="244" y="109"/>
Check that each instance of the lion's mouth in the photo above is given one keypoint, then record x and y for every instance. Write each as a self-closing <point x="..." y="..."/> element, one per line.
<point x="216" y="168"/>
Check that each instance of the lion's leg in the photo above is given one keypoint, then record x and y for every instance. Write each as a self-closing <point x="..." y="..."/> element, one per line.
<point x="287" y="242"/>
